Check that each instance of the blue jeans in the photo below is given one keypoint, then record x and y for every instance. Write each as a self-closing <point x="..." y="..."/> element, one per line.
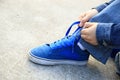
<point x="114" y="52"/>
<point x="106" y="20"/>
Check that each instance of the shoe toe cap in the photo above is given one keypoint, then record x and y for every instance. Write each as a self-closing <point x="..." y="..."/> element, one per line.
<point x="40" y="51"/>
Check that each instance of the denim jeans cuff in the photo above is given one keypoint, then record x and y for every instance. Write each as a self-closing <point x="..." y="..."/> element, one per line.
<point x="100" y="8"/>
<point x="103" y="32"/>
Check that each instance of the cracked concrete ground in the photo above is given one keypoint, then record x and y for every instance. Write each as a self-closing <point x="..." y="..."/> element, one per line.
<point x="25" y="24"/>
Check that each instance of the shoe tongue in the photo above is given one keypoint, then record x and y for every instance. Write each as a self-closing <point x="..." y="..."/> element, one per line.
<point x="77" y="34"/>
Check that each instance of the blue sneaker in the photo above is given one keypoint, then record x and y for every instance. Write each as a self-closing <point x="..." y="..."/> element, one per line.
<point x="64" y="51"/>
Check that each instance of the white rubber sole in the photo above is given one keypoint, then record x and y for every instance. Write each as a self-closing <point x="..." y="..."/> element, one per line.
<point x="44" y="61"/>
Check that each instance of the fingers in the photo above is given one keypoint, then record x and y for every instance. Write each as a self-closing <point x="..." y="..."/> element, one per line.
<point x="87" y="28"/>
<point x="83" y="20"/>
<point x="84" y="32"/>
<point x="88" y="33"/>
<point x="85" y="37"/>
<point x="87" y="24"/>
<point x="82" y="16"/>
<point x="89" y="40"/>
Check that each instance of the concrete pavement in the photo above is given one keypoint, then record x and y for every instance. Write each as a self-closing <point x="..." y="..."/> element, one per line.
<point x="25" y="24"/>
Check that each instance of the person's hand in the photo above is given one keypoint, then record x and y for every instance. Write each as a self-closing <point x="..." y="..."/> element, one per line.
<point x="88" y="33"/>
<point x="84" y="17"/>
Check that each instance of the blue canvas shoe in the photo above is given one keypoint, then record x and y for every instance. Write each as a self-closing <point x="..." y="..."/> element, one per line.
<point x="64" y="51"/>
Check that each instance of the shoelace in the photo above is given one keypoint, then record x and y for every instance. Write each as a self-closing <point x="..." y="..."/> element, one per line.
<point x="75" y="23"/>
<point x="67" y="35"/>
<point x="69" y="29"/>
